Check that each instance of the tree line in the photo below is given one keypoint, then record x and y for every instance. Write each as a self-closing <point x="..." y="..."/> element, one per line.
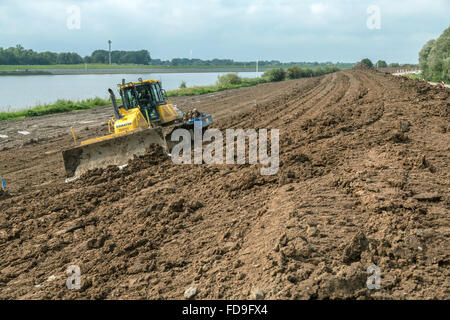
<point x="383" y="64"/>
<point x="434" y="58"/>
<point x="18" y="55"/>
<point x="119" y="57"/>
<point x="231" y="62"/>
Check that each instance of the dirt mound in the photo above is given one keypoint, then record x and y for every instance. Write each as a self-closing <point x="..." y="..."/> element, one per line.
<point x="154" y="155"/>
<point x="362" y="66"/>
<point x="362" y="186"/>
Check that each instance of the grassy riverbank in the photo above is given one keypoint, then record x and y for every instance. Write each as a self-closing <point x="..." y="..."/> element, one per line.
<point x="24" y="72"/>
<point x="57" y="107"/>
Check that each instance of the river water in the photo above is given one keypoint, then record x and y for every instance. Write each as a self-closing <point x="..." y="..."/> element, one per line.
<point x="21" y="92"/>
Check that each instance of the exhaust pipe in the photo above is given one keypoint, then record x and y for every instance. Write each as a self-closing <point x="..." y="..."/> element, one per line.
<point x="114" y="103"/>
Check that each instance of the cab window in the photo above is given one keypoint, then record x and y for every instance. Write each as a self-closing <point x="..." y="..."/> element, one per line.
<point x="156" y="90"/>
<point x="131" y="99"/>
<point x="144" y="95"/>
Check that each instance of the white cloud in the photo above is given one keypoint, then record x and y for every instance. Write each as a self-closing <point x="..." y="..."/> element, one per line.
<point x="317" y="8"/>
<point x="239" y="29"/>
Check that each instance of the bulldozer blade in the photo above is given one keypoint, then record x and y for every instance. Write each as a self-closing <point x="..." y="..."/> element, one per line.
<point x="110" y="151"/>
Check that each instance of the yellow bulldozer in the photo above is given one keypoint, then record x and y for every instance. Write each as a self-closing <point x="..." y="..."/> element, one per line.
<point x="146" y="117"/>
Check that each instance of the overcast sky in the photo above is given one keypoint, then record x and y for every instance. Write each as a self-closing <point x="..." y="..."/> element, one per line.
<point x="295" y="30"/>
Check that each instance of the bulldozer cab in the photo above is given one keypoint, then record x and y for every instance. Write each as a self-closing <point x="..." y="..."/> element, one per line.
<point x="146" y="95"/>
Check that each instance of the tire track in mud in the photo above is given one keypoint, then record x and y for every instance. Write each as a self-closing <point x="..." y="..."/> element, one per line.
<point x="391" y="178"/>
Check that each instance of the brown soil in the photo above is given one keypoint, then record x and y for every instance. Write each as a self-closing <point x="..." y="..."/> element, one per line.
<point x="361" y="66"/>
<point x="364" y="180"/>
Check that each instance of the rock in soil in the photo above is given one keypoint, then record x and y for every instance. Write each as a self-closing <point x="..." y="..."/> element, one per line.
<point x="256" y="294"/>
<point x="190" y="292"/>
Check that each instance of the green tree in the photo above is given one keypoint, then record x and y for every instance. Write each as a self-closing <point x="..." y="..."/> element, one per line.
<point x="308" y="72"/>
<point x="229" y="79"/>
<point x="446" y="69"/>
<point x="423" y="57"/>
<point x="434" y="58"/>
<point x="382" y="64"/>
<point x="438" y="67"/>
<point x="62" y="58"/>
<point x="367" y="62"/>
<point x="275" y="74"/>
<point x="294" y="72"/>
<point x="99" y="56"/>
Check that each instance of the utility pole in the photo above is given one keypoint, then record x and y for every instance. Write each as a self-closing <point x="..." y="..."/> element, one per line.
<point x="257" y="67"/>
<point x="109" y="42"/>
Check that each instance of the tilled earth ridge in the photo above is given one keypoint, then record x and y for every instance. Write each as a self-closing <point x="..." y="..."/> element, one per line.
<point x="363" y="180"/>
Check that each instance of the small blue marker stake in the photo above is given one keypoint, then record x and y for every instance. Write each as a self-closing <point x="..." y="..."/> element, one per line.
<point x="3" y="184"/>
